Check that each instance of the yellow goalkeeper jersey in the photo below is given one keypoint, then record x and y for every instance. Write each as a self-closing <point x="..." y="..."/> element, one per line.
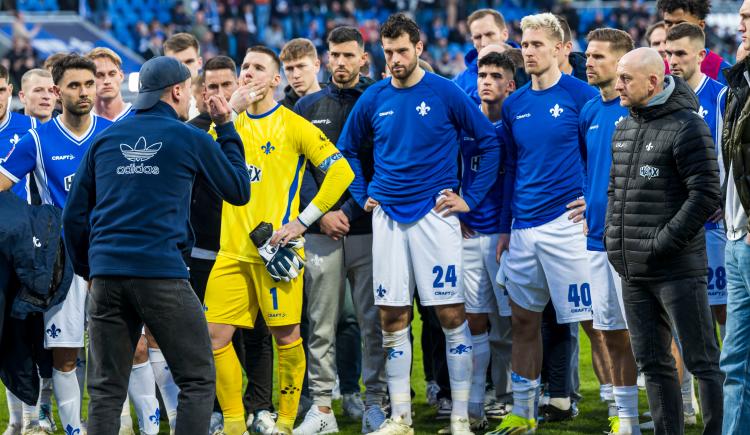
<point x="277" y="145"/>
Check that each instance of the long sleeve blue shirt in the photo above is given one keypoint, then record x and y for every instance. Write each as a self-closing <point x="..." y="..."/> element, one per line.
<point x="597" y="125"/>
<point x="542" y="131"/>
<point x="416" y="136"/>
<point x="492" y="215"/>
<point x="127" y="213"/>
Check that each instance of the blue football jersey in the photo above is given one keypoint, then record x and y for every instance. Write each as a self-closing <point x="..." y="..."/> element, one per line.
<point x="712" y="96"/>
<point x="127" y="111"/>
<point x="12" y="129"/>
<point x="53" y="153"/>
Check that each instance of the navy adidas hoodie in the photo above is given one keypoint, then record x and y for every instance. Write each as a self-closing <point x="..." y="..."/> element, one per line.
<point x="128" y="210"/>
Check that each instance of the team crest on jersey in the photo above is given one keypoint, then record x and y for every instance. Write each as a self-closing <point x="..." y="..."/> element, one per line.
<point x="267" y="148"/>
<point x="423" y="109"/>
<point x="13" y="141"/>
<point x="702" y="112"/>
<point x="556" y="111"/>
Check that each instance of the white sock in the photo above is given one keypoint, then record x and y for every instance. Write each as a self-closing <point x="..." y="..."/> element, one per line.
<point x="458" y="351"/>
<point x="687" y="389"/>
<point x="169" y="390"/>
<point x="560" y="402"/>
<point x="45" y="392"/>
<point x="142" y="389"/>
<point x="30" y="415"/>
<point x="722" y="331"/>
<point x="605" y="393"/>
<point x="626" y="399"/>
<point x="398" y="372"/>
<point x="15" y="408"/>
<point x="481" y="360"/>
<point x="68" y="398"/>
<point x="125" y="419"/>
<point x="525" y="392"/>
<point x="81" y="370"/>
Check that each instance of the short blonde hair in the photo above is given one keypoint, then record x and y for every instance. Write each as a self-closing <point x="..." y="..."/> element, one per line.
<point x="99" y="52"/>
<point x="545" y="21"/>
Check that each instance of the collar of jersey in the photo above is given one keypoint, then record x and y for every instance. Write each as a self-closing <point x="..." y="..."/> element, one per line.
<point x="69" y="134"/>
<point x="7" y="120"/>
<point x="263" y="115"/>
<point x="703" y="82"/>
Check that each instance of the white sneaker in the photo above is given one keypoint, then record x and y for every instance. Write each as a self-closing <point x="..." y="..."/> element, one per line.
<point x="317" y="422"/>
<point x="46" y="420"/>
<point x="394" y="426"/>
<point x="444" y="408"/>
<point x="649" y="425"/>
<point x="13" y="429"/>
<point x="431" y="391"/>
<point x="460" y="426"/>
<point x="475" y="425"/>
<point x="641" y="382"/>
<point x="263" y="422"/>
<point x="216" y="424"/>
<point x="373" y="418"/>
<point x="353" y="406"/>
<point x="33" y="429"/>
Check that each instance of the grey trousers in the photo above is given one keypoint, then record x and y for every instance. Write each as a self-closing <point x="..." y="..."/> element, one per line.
<point x="330" y="264"/>
<point x="170" y="309"/>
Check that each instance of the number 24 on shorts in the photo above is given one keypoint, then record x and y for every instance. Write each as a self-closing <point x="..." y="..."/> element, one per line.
<point x="584" y="297"/>
<point x="450" y="276"/>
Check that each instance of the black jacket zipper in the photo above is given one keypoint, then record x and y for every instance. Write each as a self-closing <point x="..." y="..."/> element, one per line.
<point x="624" y="196"/>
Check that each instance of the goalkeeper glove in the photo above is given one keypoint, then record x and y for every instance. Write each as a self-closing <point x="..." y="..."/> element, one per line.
<point x="283" y="263"/>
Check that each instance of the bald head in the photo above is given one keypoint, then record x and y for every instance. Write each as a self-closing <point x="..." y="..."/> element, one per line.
<point x="646" y="59"/>
<point x="492" y="48"/>
<point x="640" y="76"/>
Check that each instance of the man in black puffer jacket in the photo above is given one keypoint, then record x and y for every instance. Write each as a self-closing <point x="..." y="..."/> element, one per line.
<point x="664" y="184"/>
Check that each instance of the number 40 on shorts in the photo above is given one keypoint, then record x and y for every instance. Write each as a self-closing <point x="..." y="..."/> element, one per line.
<point x="577" y="297"/>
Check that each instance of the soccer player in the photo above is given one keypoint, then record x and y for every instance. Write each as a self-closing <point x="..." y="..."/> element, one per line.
<point x="277" y="143"/>
<point x="547" y="256"/>
<point x="37" y="94"/>
<point x="220" y="78"/>
<point x="109" y="78"/>
<point x="414" y="120"/>
<point x="486" y="231"/>
<point x="53" y="151"/>
<point x="299" y="59"/>
<point x="685" y="53"/>
<point x="695" y="12"/>
<point x="487" y="27"/>
<point x="598" y="120"/>
<point x="185" y="48"/>
<point x="342" y="241"/>
<point x="13" y="127"/>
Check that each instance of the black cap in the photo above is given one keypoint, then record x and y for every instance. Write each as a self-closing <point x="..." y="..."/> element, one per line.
<point x="157" y="74"/>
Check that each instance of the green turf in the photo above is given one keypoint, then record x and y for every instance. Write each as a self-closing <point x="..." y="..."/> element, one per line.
<point x="591" y="420"/>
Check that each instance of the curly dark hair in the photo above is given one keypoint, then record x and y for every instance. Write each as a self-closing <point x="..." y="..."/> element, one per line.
<point x="697" y="8"/>
<point x="397" y="25"/>
<point x="71" y="61"/>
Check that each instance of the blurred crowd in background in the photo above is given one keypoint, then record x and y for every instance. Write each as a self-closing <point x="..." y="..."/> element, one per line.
<point x="229" y="27"/>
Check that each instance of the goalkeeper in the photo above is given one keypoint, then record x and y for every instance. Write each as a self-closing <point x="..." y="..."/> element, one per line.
<point x="257" y="268"/>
